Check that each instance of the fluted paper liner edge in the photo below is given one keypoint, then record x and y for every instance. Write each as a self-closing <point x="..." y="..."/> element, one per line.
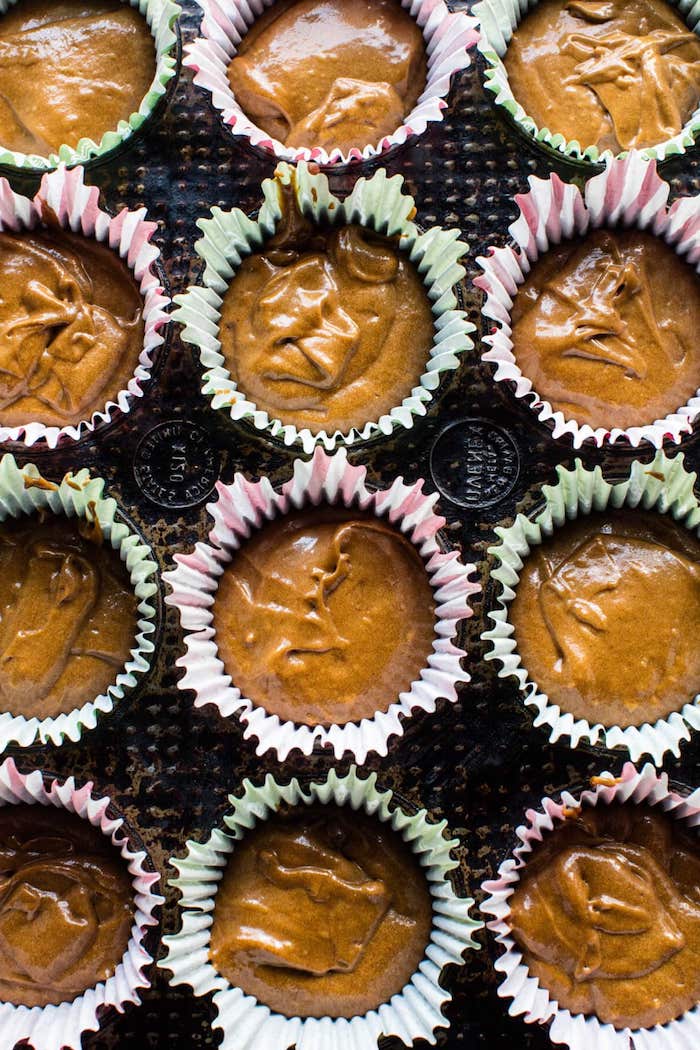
<point x="628" y="193"/>
<point x="449" y="38"/>
<point x="80" y="495"/>
<point x="414" y="1012"/>
<point x="76" y="207"/>
<point x="379" y="203"/>
<point x="498" y="20"/>
<point x="664" y="486"/>
<point x="530" y="999"/>
<point x="61" y="1027"/>
<point x="245" y="506"/>
<point x="162" y="16"/>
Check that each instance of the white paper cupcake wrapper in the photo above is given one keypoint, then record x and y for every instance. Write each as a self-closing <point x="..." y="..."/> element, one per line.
<point x="76" y="207"/>
<point x="80" y="495"/>
<point x="664" y="486"/>
<point x="498" y="21"/>
<point x="413" y="1013"/>
<point x="379" y="203"/>
<point x="530" y="999"/>
<point x="245" y="506"/>
<point x="162" y="16"/>
<point x="448" y="39"/>
<point x="628" y="193"/>
<point x="60" y="1027"/>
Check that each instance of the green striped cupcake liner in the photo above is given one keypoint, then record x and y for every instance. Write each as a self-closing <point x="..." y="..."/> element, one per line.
<point x="498" y="21"/>
<point x="162" y="17"/>
<point x="662" y="486"/>
<point x="23" y="491"/>
<point x="414" y="1012"/>
<point x="379" y="203"/>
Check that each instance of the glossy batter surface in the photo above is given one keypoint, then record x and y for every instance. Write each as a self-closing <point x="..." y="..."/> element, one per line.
<point x="331" y="73"/>
<point x="321" y="912"/>
<point x="65" y="906"/>
<point x="327" y="328"/>
<point x="70" y="69"/>
<point x="607" y="914"/>
<point x="71" y="327"/>
<point x="605" y="329"/>
<point x="67" y="616"/>
<point x="618" y="74"/>
<point x="324" y="616"/>
<point x="607" y="617"/>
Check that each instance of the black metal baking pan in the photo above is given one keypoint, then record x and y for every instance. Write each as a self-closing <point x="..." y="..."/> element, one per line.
<point x="478" y="763"/>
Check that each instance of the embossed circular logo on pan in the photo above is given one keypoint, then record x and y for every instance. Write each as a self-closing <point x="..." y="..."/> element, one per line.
<point x="474" y="463"/>
<point x="175" y="464"/>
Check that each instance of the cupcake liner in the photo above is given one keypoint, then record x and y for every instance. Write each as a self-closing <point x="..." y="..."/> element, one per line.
<point x="628" y="193"/>
<point x="246" y="506"/>
<point x="162" y="16"/>
<point x="75" y="206"/>
<point x="24" y="491"/>
<point x="530" y="999"/>
<point x="448" y="38"/>
<point x="378" y="203"/>
<point x="665" y="486"/>
<point x="413" y="1013"/>
<point x="498" y="20"/>
<point x="60" y="1027"/>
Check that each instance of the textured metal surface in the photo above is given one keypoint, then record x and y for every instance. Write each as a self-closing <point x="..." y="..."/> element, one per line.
<point x="478" y="763"/>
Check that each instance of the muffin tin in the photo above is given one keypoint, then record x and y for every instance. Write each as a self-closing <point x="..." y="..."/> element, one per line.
<point x="168" y="767"/>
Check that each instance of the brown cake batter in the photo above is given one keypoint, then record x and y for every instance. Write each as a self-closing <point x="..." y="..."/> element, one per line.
<point x="70" y="69"/>
<point x="607" y="617"/>
<point x="327" y="328"/>
<point x="605" y="328"/>
<point x="607" y="914"/>
<point x="324" y="616"/>
<point x="619" y="74"/>
<point x="65" y="906"/>
<point x="71" y="327"/>
<point x="321" y="912"/>
<point x="67" y="616"/>
<point x="330" y="73"/>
